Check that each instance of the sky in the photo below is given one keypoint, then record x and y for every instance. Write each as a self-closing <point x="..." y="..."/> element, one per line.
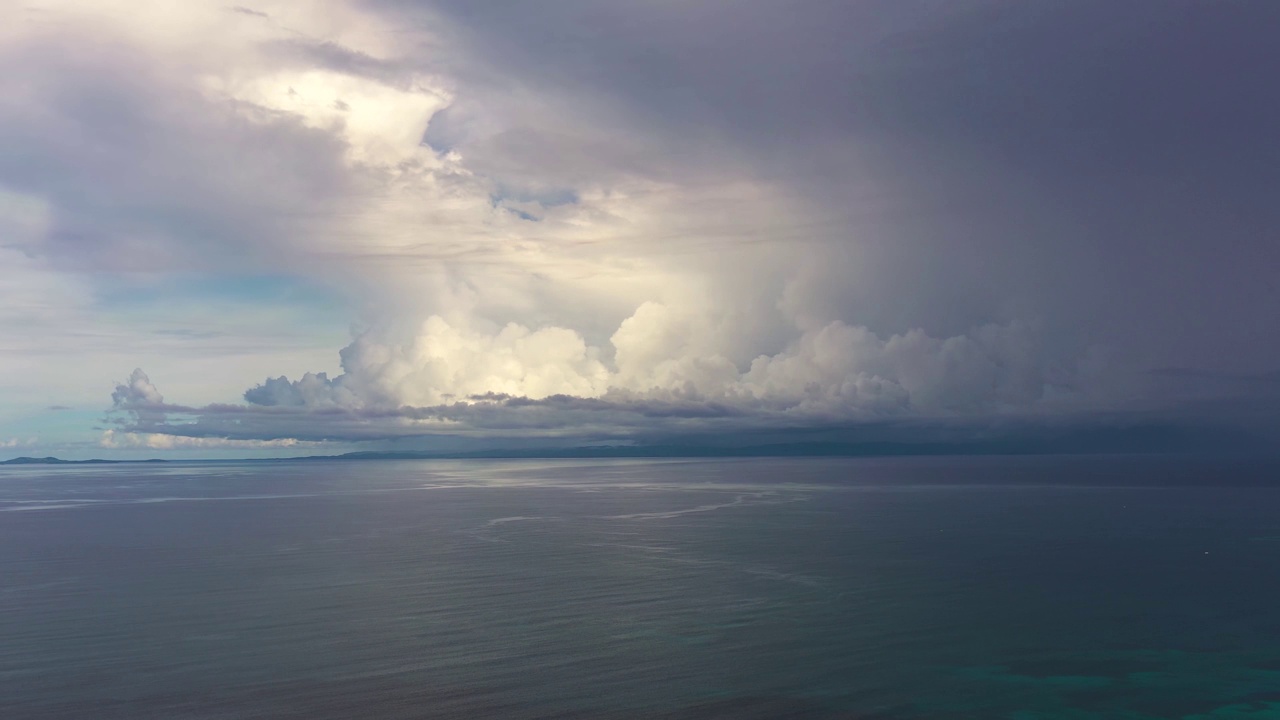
<point x="292" y="227"/>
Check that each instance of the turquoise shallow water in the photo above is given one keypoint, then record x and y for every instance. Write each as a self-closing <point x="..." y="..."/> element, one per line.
<point x="940" y="588"/>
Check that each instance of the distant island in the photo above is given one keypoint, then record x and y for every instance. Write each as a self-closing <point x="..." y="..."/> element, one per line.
<point x="60" y="461"/>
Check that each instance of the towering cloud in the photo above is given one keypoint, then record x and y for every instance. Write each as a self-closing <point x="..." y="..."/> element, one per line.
<point x="836" y="371"/>
<point x="137" y="391"/>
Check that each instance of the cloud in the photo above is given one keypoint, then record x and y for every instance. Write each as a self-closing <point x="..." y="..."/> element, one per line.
<point x="147" y="165"/>
<point x="444" y="362"/>
<point x="457" y="382"/>
<point x="836" y="370"/>
<point x="136" y="392"/>
<point x="617" y="220"/>
<point x="158" y="441"/>
<point x="968" y="162"/>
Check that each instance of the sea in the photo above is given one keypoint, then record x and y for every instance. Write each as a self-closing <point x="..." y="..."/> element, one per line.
<point x="1023" y="588"/>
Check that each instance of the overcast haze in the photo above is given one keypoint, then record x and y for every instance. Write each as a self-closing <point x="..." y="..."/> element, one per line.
<point x="318" y="227"/>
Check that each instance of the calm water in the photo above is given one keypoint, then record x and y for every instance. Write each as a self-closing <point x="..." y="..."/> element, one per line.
<point x="938" y="588"/>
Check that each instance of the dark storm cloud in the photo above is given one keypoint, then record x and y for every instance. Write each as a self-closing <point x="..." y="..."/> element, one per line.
<point x="1107" y="167"/>
<point x="884" y="217"/>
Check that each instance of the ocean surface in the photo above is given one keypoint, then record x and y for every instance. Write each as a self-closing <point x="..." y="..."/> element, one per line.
<point x="1017" y="588"/>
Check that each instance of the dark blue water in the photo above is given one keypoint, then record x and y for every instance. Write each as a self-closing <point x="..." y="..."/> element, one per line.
<point x="980" y="588"/>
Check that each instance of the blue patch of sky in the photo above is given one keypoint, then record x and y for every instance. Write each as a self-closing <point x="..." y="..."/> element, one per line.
<point x="227" y="313"/>
<point x="236" y="289"/>
<point x="545" y="198"/>
<point x="443" y="132"/>
<point x="47" y="427"/>
<point x="204" y="307"/>
<point x="438" y="145"/>
<point x="505" y="198"/>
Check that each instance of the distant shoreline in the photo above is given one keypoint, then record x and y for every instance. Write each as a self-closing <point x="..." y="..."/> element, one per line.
<point x="871" y="450"/>
<point x="60" y="461"/>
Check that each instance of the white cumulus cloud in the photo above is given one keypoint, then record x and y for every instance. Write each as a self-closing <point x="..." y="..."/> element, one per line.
<point x="115" y="440"/>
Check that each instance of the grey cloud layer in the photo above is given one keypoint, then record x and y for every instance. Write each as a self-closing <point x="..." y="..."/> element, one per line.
<point x="143" y="172"/>
<point x="498" y="423"/>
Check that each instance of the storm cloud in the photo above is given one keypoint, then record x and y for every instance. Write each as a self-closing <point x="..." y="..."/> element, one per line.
<point x="599" y="220"/>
